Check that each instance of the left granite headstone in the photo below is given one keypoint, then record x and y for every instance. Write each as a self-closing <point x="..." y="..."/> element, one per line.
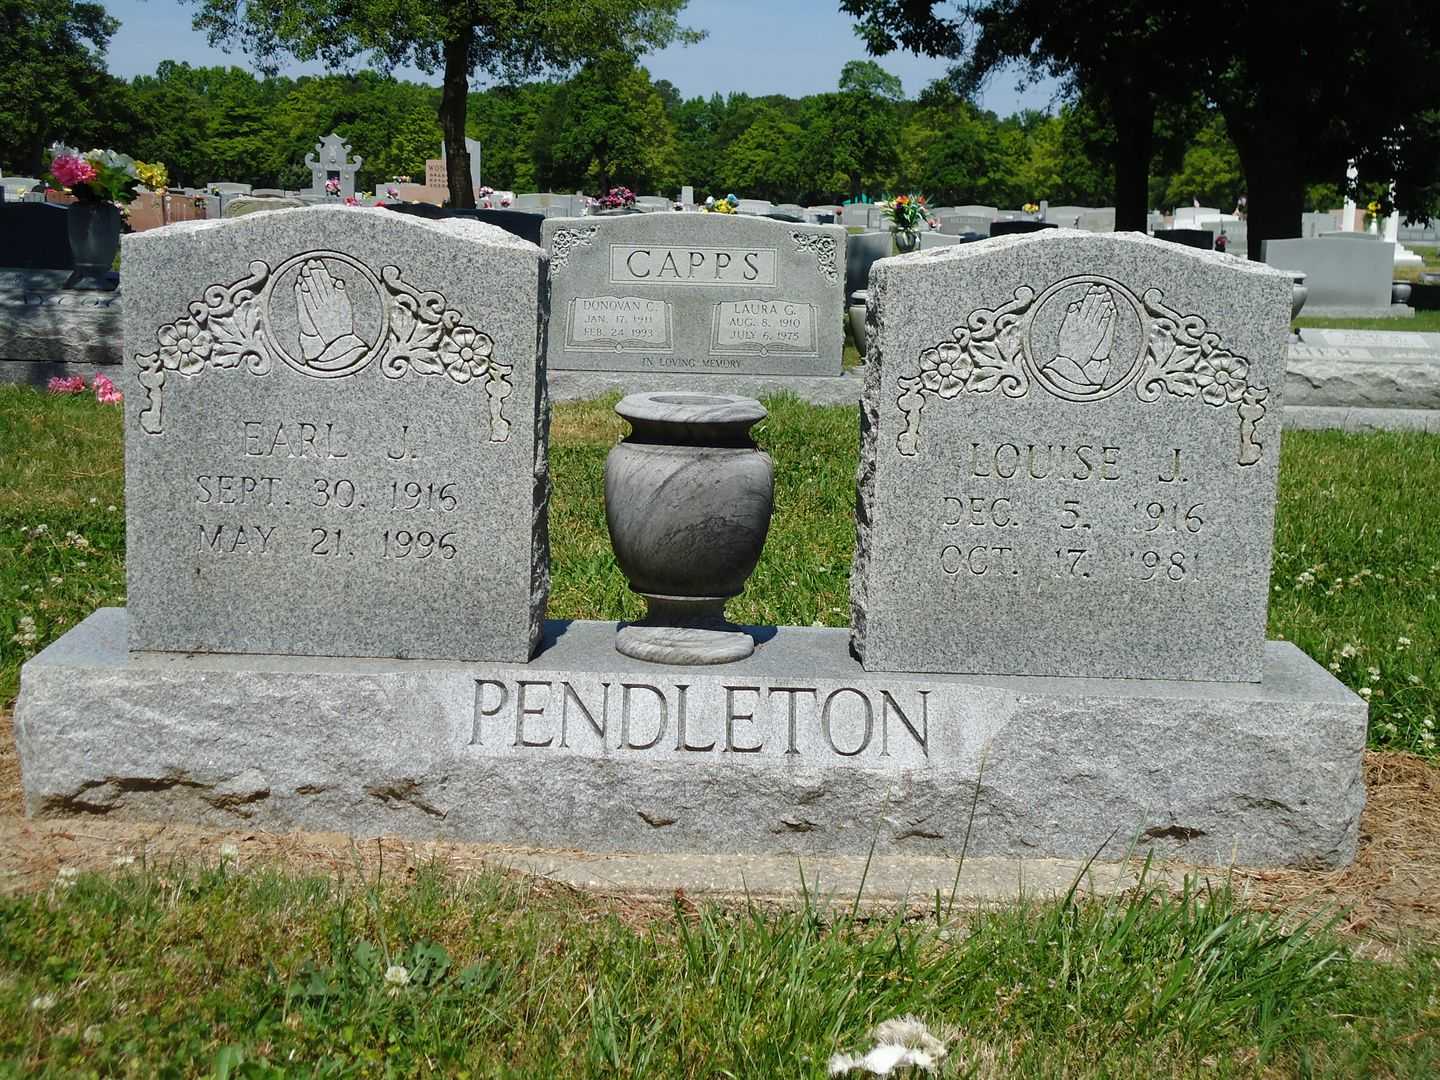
<point x="335" y="437"/>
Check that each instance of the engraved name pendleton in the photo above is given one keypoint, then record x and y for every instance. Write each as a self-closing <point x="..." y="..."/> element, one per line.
<point x="653" y="718"/>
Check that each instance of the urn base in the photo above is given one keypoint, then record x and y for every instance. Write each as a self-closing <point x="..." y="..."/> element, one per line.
<point x="684" y="632"/>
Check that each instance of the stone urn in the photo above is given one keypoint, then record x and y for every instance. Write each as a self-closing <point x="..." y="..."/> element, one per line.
<point x="94" y="229"/>
<point x="688" y="498"/>
<point x="856" y="313"/>
<point x="1400" y="292"/>
<point x="1298" y="295"/>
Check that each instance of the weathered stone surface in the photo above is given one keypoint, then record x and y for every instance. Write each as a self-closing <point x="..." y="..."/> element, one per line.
<point x="680" y="293"/>
<point x="796" y="749"/>
<point x="41" y="321"/>
<point x="1068" y="457"/>
<point x="335" y="436"/>
<point x="817" y="389"/>
<point x="252" y="204"/>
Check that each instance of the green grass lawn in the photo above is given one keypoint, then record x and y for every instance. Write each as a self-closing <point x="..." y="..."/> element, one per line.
<point x="1355" y="580"/>
<point x="205" y="970"/>
<point x="1424" y="322"/>
<point x="167" y="971"/>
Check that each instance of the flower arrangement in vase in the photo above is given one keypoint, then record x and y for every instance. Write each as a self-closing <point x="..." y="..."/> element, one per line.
<point x="728" y="205"/>
<point x="906" y="213"/>
<point x="102" y="182"/>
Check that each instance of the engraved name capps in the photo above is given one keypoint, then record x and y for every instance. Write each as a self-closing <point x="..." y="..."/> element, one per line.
<point x="778" y="724"/>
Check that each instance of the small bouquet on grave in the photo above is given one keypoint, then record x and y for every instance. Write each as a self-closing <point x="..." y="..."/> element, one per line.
<point x="906" y="213"/>
<point x="155" y="177"/>
<point x="728" y="205"/>
<point x="1373" y="213"/>
<point x="400" y="179"/>
<point x="96" y="176"/>
<point x="617" y="198"/>
<point x="482" y="197"/>
<point x="1031" y="208"/>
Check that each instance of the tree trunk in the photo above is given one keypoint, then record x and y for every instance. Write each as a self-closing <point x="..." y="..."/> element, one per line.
<point x="1134" y="114"/>
<point x="454" y="97"/>
<point x="1274" y="178"/>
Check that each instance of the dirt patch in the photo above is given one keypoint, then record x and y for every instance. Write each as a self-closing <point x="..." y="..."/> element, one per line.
<point x="1392" y="889"/>
<point x="1391" y="892"/>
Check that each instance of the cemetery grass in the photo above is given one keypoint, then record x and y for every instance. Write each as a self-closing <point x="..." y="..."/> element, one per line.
<point x="221" y="969"/>
<point x="1355" y="580"/>
<point x="1424" y="322"/>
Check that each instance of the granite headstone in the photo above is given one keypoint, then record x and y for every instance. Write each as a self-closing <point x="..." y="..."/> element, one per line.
<point x="335" y="437"/>
<point x="699" y="293"/>
<point x="1068" y="459"/>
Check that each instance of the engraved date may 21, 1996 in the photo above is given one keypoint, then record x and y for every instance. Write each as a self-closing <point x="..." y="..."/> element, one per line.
<point x="250" y="539"/>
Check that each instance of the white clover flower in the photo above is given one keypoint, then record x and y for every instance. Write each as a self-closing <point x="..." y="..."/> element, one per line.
<point x="43" y="1002"/>
<point x="395" y="975"/>
<point x="40" y="530"/>
<point x="1374" y="672"/>
<point x="93" y="1034"/>
<point x="902" y="1041"/>
<point x="26" y="632"/>
<point x="111" y="508"/>
<point x="1334" y="665"/>
<point x="66" y="876"/>
<point x="1348" y="650"/>
<point x="1364" y="691"/>
<point x="56" y="579"/>
<point x="94" y="501"/>
<point x="1403" y="642"/>
<point x="229" y="850"/>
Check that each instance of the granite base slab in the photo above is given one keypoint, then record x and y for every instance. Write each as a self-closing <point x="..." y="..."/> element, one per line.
<point x="796" y="750"/>
<point x="574" y="385"/>
<point x="1341" y="311"/>
<point x="1348" y="418"/>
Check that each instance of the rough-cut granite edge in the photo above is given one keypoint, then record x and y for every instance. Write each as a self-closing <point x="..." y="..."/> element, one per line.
<point x="540" y="513"/>
<point x="1263" y="774"/>
<point x="1361" y="419"/>
<point x="865" y="468"/>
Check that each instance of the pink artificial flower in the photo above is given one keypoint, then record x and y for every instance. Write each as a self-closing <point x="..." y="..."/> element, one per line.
<point x="75" y="384"/>
<point x="105" y="391"/>
<point x="351" y="200"/>
<point x="504" y="202"/>
<point x="332" y="186"/>
<point x="71" y="169"/>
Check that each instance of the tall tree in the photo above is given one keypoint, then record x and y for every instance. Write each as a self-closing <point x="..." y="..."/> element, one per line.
<point x="1299" y="91"/>
<point x="505" y="39"/>
<point x="52" y="76"/>
<point x="607" y="126"/>
<point x="1121" y="52"/>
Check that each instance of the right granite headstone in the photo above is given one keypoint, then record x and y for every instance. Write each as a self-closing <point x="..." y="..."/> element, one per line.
<point x="1068" y="462"/>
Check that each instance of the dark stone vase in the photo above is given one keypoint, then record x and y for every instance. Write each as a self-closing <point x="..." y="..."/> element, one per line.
<point x="688" y="498"/>
<point x="94" y="230"/>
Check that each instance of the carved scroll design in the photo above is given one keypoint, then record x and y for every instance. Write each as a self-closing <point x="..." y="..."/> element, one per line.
<point x="417" y="331"/>
<point x="824" y="249"/>
<point x="996" y="349"/>
<point x="1185" y="359"/>
<point x="427" y="337"/>
<point x="567" y="240"/>
<point x="983" y="355"/>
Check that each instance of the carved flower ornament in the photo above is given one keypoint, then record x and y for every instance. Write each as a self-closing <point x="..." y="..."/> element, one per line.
<point x="341" y="318"/>
<point x="1084" y="339"/>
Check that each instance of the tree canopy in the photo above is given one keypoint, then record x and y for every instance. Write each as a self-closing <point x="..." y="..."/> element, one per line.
<point x="1301" y="92"/>
<point x="504" y="39"/>
<point x="52" y="75"/>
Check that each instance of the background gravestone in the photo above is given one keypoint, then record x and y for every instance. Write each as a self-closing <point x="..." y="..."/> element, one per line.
<point x="334" y="437"/>
<point x="1068" y="460"/>
<point x="35" y="236"/>
<point x="703" y="293"/>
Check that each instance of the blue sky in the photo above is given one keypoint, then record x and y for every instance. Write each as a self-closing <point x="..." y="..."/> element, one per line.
<point x="793" y="47"/>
